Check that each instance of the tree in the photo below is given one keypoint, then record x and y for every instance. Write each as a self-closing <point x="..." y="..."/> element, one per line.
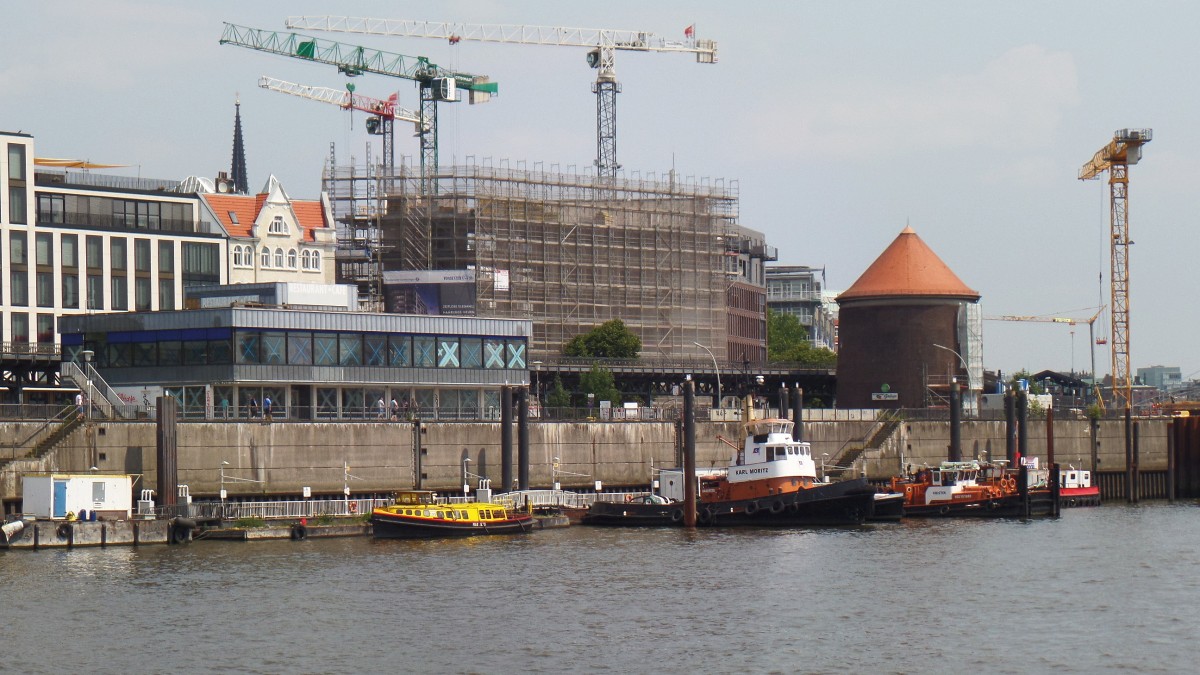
<point x="599" y="381"/>
<point x="611" y="339"/>
<point x="558" y="396"/>
<point x="787" y="340"/>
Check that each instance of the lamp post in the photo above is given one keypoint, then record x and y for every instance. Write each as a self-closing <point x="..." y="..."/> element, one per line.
<point x="554" y="474"/>
<point x="466" y="476"/>
<point x="87" y="355"/>
<point x="966" y="368"/>
<point x="824" y="456"/>
<point x="223" y="465"/>
<point x="715" y="368"/>
<point x="537" y="389"/>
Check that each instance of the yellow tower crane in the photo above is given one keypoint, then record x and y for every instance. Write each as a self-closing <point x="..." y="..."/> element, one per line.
<point x="1115" y="158"/>
<point x="1070" y="321"/>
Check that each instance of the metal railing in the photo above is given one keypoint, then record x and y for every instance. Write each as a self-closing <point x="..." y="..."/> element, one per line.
<point x="281" y="510"/>
<point x="44" y="350"/>
<point x="102" y="396"/>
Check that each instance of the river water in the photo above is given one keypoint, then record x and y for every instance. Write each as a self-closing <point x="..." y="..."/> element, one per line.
<point x="1113" y="588"/>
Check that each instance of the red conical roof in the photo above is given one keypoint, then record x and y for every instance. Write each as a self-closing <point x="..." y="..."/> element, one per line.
<point x="908" y="268"/>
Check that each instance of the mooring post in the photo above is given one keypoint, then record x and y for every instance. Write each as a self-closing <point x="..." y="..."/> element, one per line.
<point x="689" y="454"/>
<point x="1023" y="489"/>
<point x="1022" y="425"/>
<point x="798" y="415"/>
<point x="506" y="449"/>
<point x="1010" y="427"/>
<point x="955" y="422"/>
<point x="1171" y="462"/>
<point x="1050" y="435"/>
<point x="783" y="401"/>
<point x="1128" y="455"/>
<point x="167" y="451"/>
<point x="1055" y="491"/>
<point x="1137" y="479"/>
<point x="523" y="438"/>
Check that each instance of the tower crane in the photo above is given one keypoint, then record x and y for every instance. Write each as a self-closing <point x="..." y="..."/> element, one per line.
<point x="437" y="84"/>
<point x="1070" y="321"/>
<point x="385" y="111"/>
<point x="602" y="45"/>
<point x="1123" y="150"/>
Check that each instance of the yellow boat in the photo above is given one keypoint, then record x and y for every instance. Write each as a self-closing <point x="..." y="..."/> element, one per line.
<point x="417" y="515"/>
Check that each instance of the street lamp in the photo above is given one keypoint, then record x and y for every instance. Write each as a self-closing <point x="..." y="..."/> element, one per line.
<point x="223" y="465"/>
<point x="87" y="355"/>
<point x="554" y="474"/>
<point x="537" y="389"/>
<point x="466" y="476"/>
<point x="966" y="368"/>
<point x="716" y="368"/>
<point x="824" y="456"/>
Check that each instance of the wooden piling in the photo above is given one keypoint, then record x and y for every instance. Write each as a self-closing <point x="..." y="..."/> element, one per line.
<point x="1171" y="462"/>
<point x="506" y="448"/>
<point x="1128" y="455"/>
<point x="1137" y="483"/>
<point x="689" y="454"/>
<point x="523" y="438"/>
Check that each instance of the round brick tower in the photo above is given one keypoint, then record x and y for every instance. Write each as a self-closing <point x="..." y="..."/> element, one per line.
<point x="906" y="302"/>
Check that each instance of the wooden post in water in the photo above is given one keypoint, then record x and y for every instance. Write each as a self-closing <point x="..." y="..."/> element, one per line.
<point x="798" y="414"/>
<point x="955" y="422"/>
<point x="1022" y="425"/>
<point x="689" y="454"/>
<point x="783" y="401"/>
<point x="1128" y="455"/>
<point x="1010" y="427"/>
<point x="1171" y="462"/>
<point x="506" y="449"/>
<point x="1136" y="482"/>
<point x="1050" y="435"/>
<point x="523" y="438"/>
<point x="1055" y="490"/>
<point x="167" y="412"/>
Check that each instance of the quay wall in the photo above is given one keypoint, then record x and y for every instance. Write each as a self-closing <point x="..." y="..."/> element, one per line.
<point x="281" y="458"/>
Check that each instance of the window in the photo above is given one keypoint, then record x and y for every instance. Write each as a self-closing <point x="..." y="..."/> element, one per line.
<point x="120" y="293"/>
<point x="18" y="254"/>
<point x="141" y="294"/>
<point x="117" y="249"/>
<point x="237" y="256"/>
<point x="45" y="289"/>
<point x="279" y="258"/>
<point x="50" y="209"/>
<point x="95" y="252"/>
<point x="266" y="257"/>
<point x="45" y="328"/>
<point x="166" y="295"/>
<point x="16" y="161"/>
<point x="70" y="291"/>
<point x="141" y="255"/>
<point x="95" y="291"/>
<point x="291" y="259"/>
<point x="18" y="213"/>
<point x="316" y="260"/>
<point x="166" y="257"/>
<point x="18" y="288"/>
<point x="43" y="248"/>
<point x="305" y="260"/>
<point x="70" y="250"/>
<point x="20" y="328"/>
<point x="201" y="264"/>
<point x="277" y="226"/>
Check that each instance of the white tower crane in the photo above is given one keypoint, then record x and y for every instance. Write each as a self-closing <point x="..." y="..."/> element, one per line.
<point x="602" y="43"/>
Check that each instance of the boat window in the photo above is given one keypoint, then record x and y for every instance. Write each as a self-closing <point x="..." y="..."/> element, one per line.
<point x="441" y="514"/>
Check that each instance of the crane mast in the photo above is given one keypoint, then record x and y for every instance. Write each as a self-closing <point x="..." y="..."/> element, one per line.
<point x="603" y="44"/>
<point x="1115" y="158"/>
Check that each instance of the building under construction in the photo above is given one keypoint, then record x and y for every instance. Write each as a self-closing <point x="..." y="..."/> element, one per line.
<point x="569" y="251"/>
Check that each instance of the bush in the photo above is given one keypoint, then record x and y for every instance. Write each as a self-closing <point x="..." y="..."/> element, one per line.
<point x="249" y="523"/>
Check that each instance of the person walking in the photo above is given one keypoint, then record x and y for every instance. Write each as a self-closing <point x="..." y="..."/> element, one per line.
<point x="380" y="408"/>
<point x="253" y="407"/>
<point x="395" y="408"/>
<point x="267" y="407"/>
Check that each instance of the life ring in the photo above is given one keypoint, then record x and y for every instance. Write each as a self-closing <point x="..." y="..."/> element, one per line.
<point x="751" y="508"/>
<point x="299" y="532"/>
<point x="777" y="506"/>
<point x="628" y="498"/>
<point x="676" y="515"/>
<point x="63" y="531"/>
<point x="944" y="510"/>
<point x="705" y="516"/>
<point x="353" y="507"/>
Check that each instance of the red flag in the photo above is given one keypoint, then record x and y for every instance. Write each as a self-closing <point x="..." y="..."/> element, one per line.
<point x="690" y="31"/>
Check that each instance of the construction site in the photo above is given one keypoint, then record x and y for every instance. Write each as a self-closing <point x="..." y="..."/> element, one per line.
<point x="569" y="251"/>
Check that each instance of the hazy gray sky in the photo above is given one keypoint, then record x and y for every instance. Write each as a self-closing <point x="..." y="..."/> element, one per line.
<point x="840" y="121"/>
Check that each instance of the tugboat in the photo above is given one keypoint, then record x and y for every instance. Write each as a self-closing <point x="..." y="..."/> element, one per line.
<point x="418" y="515"/>
<point x="770" y="480"/>
<point x="969" y="489"/>
<point x="1076" y="488"/>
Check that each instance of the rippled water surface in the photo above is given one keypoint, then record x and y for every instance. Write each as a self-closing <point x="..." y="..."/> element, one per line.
<point x="1114" y="588"/>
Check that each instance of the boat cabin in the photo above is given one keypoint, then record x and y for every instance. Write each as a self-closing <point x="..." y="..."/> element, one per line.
<point x="1075" y="478"/>
<point x="770" y="452"/>
<point x="415" y="497"/>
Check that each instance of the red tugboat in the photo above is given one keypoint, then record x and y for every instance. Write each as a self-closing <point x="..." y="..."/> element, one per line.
<point x="1076" y="488"/>
<point x="970" y="489"/>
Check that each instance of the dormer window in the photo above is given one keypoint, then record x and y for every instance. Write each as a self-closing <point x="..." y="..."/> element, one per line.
<point x="277" y="226"/>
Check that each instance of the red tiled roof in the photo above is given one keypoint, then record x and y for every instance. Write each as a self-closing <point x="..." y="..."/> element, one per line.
<point x="908" y="268"/>
<point x="309" y="213"/>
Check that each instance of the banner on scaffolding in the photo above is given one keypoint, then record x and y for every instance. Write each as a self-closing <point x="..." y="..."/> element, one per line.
<point x="431" y="292"/>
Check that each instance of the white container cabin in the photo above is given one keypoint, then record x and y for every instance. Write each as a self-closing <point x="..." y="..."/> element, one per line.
<point x="59" y="495"/>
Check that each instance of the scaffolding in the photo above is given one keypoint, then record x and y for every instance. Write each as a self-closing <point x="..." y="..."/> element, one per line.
<point x="568" y="250"/>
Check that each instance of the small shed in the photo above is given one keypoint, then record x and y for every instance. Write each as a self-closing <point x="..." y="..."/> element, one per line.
<point x="55" y="495"/>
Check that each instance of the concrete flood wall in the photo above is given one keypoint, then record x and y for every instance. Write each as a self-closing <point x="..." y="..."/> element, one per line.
<point x="283" y="457"/>
<point x="63" y="534"/>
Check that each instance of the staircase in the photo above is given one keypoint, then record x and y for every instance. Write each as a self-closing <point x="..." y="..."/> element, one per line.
<point x="63" y="424"/>
<point x="886" y="425"/>
<point x="104" y="400"/>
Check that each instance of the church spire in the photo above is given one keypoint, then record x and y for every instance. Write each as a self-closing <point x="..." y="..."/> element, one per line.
<point x="237" y="172"/>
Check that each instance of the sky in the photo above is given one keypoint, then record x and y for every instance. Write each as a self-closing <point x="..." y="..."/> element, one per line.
<point x="839" y="122"/>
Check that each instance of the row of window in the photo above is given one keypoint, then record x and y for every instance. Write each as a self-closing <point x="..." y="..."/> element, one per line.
<point x="300" y="348"/>
<point x="107" y="212"/>
<point x="19" y="328"/>
<point x="243" y="256"/>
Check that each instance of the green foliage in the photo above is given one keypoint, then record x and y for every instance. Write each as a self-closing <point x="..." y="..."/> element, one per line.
<point x="787" y="340"/>
<point x="1034" y="387"/>
<point x="1095" y="411"/>
<point x="325" y="519"/>
<point x="249" y="523"/>
<point x="558" y="396"/>
<point x="599" y="381"/>
<point x="611" y="340"/>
